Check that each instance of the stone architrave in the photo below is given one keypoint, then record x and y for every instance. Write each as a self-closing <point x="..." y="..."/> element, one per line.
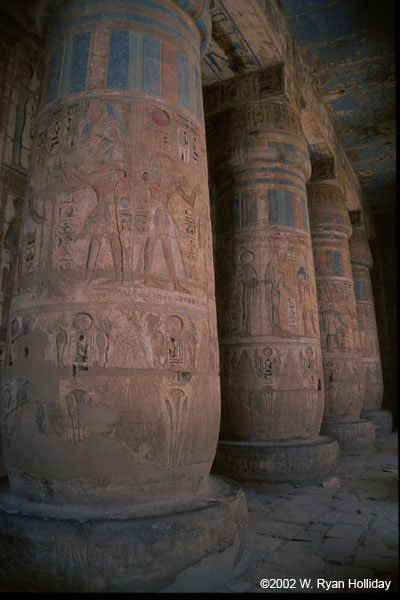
<point x="361" y="264"/>
<point x="271" y="366"/>
<point x="111" y="400"/>
<point x="340" y="333"/>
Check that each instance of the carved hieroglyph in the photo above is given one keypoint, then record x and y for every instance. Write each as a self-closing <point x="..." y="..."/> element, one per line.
<point x="18" y="105"/>
<point x="361" y="264"/>
<point x="112" y="380"/>
<point x="271" y="367"/>
<point x="340" y="333"/>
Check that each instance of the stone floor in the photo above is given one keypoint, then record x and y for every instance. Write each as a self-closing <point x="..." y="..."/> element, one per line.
<point x="321" y="538"/>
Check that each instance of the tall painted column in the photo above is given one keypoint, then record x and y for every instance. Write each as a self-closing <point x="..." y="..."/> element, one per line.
<point x="340" y="333"/>
<point x="111" y="401"/>
<point x="271" y="366"/>
<point x="361" y="264"/>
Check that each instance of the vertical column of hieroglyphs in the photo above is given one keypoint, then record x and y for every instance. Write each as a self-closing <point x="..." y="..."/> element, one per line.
<point x="361" y="263"/>
<point x="113" y="361"/>
<point x="19" y="84"/>
<point x="271" y="367"/>
<point x="340" y="333"/>
<point x="19" y="98"/>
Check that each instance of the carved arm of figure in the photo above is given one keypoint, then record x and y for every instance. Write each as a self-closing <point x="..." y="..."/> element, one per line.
<point x="340" y="321"/>
<point x="179" y="188"/>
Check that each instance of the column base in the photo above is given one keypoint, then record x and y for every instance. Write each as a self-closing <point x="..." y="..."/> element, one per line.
<point x="190" y="546"/>
<point x="382" y="420"/>
<point x="296" y="462"/>
<point x="351" y="435"/>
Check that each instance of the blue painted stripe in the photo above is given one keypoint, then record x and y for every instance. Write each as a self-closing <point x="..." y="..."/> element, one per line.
<point x="129" y="17"/>
<point x="281" y="209"/>
<point x="360" y="289"/>
<point x="304" y="213"/>
<point x="290" y="217"/>
<point x="273" y="211"/>
<point x="80" y="58"/>
<point x="183" y="80"/>
<point x="66" y="69"/>
<point x="151" y="65"/>
<point x="271" y="180"/>
<point x="7" y="166"/>
<point x="252" y="170"/>
<point x="76" y="7"/>
<point x="55" y="73"/>
<point x="338" y="264"/>
<point x="136" y="61"/>
<point x="118" y="61"/>
<point x="192" y="88"/>
<point x="199" y="97"/>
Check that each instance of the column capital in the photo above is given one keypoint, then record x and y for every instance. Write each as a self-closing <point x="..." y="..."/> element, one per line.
<point x="327" y="208"/>
<point x="198" y="10"/>
<point x="323" y="169"/>
<point x="360" y="253"/>
<point x="270" y="84"/>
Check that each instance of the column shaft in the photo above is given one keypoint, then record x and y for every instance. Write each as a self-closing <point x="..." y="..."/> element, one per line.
<point x="340" y="334"/>
<point x="112" y="387"/>
<point x="361" y="264"/>
<point x="271" y="367"/>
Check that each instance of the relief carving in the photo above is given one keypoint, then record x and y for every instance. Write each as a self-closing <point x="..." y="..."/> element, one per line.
<point x="176" y="409"/>
<point x="264" y="83"/>
<point x="162" y="227"/>
<point x="243" y="297"/>
<point x="274" y="284"/>
<point x="14" y="396"/>
<point x="173" y="343"/>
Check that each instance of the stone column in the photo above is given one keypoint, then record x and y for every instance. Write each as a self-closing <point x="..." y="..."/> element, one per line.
<point x="271" y="367"/>
<point x="111" y="401"/>
<point x="340" y="333"/>
<point x="361" y="264"/>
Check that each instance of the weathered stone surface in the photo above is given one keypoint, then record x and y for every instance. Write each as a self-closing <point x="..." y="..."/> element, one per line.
<point x="299" y="462"/>
<point x="125" y="548"/>
<point x="350" y="532"/>
<point x="382" y="561"/>
<point x="111" y="392"/>
<point x="274" y="528"/>
<point x="340" y="332"/>
<point x="338" y="550"/>
<point x="361" y="261"/>
<point x="351" y="435"/>
<point x="269" y="337"/>
<point x="382" y="420"/>
<point x="271" y="369"/>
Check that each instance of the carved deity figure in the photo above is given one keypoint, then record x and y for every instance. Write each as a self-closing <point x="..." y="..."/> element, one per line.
<point x="332" y="325"/>
<point x="274" y="282"/>
<point x="162" y="227"/>
<point x="304" y="287"/>
<point x="244" y="293"/>
<point x="102" y="221"/>
<point x="308" y="365"/>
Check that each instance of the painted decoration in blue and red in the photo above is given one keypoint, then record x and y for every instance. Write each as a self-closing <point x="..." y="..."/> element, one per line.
<point x="363" y="290"/>
<point x="68" y="67"/>
<point x="329" y="263"/>
<point x="287" y="208"/>
<point x="136" y="62"/>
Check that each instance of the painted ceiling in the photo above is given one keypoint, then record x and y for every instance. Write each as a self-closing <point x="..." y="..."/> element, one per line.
<point x="349" y="47"/>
